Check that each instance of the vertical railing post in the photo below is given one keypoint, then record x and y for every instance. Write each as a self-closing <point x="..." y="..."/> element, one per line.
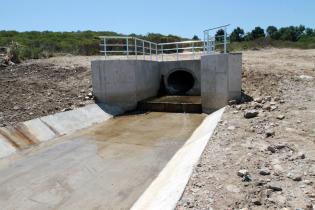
<point x="150" y="51"/>
<point x="105" y="48"/>
<point x="136" y="53"/>
<point x="224" y="39"/>
<point x="193" y="50"/>
<point x="127" y="44"/>
<point x="162" y="52"/>
<point x="156" y="52"/>
<point x="143" y="50"/>
<point x="177" y="51"/>
<point x="204" y="42"/>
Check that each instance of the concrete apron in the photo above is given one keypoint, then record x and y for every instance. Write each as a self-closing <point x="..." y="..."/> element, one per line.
<point x="109" y="165"/>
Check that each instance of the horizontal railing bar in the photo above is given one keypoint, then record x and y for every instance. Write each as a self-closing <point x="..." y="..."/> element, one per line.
<point x="210" y="29"/>
<point x="180" y="42"/>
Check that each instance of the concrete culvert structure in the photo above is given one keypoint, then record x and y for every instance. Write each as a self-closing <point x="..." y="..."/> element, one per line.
<point x="180" y="82"/>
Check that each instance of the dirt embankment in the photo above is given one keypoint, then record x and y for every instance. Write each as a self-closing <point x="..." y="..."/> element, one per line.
<point x="265" y="161"/>
<point x="37" y="89"/>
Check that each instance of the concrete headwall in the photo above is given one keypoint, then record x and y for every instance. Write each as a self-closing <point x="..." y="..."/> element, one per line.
<point x="191" y="66"/>
<point x="124" y="83"/>
<point x="220" y="80"/>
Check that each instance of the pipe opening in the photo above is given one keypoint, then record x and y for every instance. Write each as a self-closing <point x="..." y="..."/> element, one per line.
<point x="180" y="82"/>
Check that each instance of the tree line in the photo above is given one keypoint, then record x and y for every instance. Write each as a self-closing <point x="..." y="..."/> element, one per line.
<point x="35" y="44"/>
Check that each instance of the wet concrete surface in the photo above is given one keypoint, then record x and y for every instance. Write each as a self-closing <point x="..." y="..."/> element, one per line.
<point x="170" y="103"/>
<point x="107" y="166"/>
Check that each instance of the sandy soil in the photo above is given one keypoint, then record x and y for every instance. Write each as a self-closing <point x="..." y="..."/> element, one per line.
<point x="268" y="161"/>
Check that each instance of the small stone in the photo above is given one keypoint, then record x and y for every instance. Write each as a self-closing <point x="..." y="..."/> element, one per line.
<point x="280" y="117"/>
<point x="242" y="172"/>
<point x="295" y="176"/>
<point x="256" y="201"/>
<point x="269" y="132"/>
<point x="268" y="98"/>
<point x="31" y="113"/>
<point x="250" y="113"/>
<point x="300" y="156"/>
<point x="272" y="108"/>
<point x="232" y="102"/>
<point x="82" y="91"/>
<point x="271" y="149"/>
<point x="238" y="107"/>
<point x="274" y="186"/>
<point x="231" y="128"/>
<point x="90" y="94"/>
<point x="267" y="107"/>
<point x="16" y="107"/>
<point x="258" y="100"/>
<point x="308" y="182"/>
<point x="87" y="98"/>
<point x="81" y="104"/>
<point x="281" y="101"/>
<point x="264" y="171"/>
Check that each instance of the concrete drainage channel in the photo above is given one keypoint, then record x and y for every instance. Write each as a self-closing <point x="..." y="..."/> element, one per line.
<point x="137" y="161"/>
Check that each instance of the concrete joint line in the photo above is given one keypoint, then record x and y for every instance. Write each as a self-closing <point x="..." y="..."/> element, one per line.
<point x="165" y="191"/>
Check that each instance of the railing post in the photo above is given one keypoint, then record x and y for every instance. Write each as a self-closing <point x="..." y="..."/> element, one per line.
<point x="224" y="39"/>
<point x="156" y="52"/>
<point x="204" y="42"/>
<point x="150" y="51"/>
<point x="127" y="47"/>
<point x="105" y="48"/>
<point x="162" y="51"/>
<point x="177" y="51"/>
<point x="143" y="50"/>
<point x="136" y="54"/>
<point x="193" y="50"/>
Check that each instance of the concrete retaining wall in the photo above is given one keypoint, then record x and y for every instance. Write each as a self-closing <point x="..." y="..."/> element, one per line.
<point x="220" y="80"/>
<point x="125" y="82"/>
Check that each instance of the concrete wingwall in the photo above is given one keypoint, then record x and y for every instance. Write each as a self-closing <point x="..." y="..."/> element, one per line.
<point x="124" y="83"/>
<point x="220" y="80"/>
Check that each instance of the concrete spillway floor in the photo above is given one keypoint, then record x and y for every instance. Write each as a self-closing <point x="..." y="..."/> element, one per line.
<point x="107" y="166"/>
<point x="172" y="103"/>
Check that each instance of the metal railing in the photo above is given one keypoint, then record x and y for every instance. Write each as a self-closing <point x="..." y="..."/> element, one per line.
<point x="139" y="48"/>
<point x="211" y="39"/>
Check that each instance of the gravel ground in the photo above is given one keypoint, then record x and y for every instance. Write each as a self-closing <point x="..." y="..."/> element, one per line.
<point x="266" y="161"/>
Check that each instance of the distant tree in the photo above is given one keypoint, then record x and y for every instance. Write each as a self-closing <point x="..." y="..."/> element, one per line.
<point x="257" y="33"/>
<point x="309" y="32"/>
<point x="237" y="35"/>
<point x="291" y="33"/>
<point x="195" y="37"/>
<point x="271" y="31"/>
<point x="219" y="35"/>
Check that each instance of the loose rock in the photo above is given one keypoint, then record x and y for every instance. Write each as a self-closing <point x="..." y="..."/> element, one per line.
<point x="250" y="113"/>
<point x="264" y="171"/>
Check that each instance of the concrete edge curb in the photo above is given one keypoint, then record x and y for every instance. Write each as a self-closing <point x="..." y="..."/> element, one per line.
<point x="165" y="191"/>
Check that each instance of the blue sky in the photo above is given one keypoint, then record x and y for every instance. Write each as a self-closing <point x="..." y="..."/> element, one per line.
<point x="180" y="17"/>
